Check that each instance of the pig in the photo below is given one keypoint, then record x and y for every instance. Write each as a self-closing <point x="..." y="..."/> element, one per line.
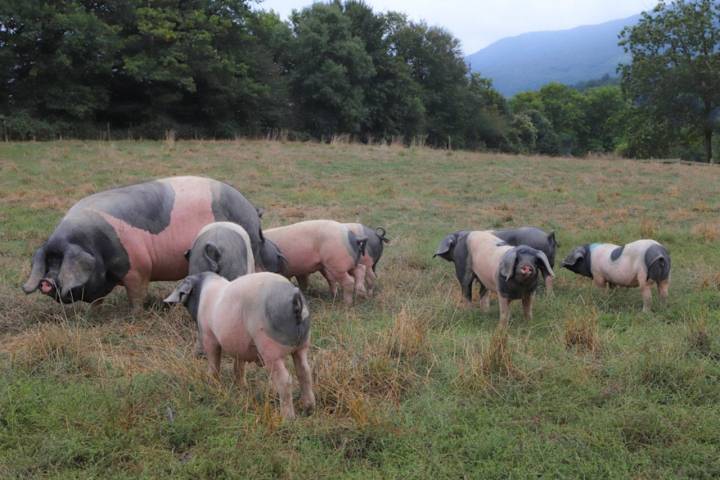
<point x="259" y="317"/>
<point x="511" y="272"/>
<point x="223" y="248"/>
<point x="132" y="235"/>
<point x="637" y="264"/>
<point x="535" y="238"/>
<point x="365" y="272"/>
<point x="323" y="246"/>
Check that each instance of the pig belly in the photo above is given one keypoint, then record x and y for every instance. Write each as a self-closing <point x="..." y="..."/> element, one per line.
<point x="301" y="259"/>
<point x="235" y="340"/>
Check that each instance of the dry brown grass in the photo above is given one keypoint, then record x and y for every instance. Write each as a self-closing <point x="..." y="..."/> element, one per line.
<point x="350" y="381"/>
<point x="706" y="232"/>
<point x="581" y="331"/>
<point x="648" y="228"/>
<point x="484" y="366"/>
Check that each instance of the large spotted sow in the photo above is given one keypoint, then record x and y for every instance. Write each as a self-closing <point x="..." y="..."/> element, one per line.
<point x="133" y="235"/>
<point x="638" y="264"/>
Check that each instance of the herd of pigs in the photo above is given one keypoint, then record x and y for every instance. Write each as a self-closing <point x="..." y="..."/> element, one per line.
<point x="235" y="276"/>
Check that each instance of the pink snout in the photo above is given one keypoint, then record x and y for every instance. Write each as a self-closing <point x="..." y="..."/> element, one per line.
<point x="47" y="286"/>
<point x="527" y="270"/>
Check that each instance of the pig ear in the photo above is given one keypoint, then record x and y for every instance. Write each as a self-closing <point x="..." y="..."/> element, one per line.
<point x="37" y="272"/>
<point x="212" y="255"/>
<point x="76" y="269"/>
<point x="446" y="246"/>
<point x="507" y="264"/>
<point x="551" y="239"/>
<point x="544" y="263"/>
<point x="181" y="293"/>
<point x="260" y="211"/>
<point x="573" y="258"/>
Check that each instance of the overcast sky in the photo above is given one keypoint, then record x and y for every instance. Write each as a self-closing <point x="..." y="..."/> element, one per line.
<point x="479" y="23"/>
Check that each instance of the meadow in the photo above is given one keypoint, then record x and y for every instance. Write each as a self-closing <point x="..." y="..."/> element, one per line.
<point x="411" y="383"/>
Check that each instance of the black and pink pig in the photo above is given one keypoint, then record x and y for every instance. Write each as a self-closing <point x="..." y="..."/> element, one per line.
<point x="133" y="235"/>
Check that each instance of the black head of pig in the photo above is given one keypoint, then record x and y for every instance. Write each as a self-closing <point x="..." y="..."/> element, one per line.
<point x="69" y="272"/>
<point x="446" y="249"/>
<point x="520" y="269"/>
<point x="579" y="261"/>
<point x="272" y="258"/>
<point x="188" y="292"/>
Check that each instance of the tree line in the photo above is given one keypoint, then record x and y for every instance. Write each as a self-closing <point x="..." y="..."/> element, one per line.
<point x="224" y="68"/>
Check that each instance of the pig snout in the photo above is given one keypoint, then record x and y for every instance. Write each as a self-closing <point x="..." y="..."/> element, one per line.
<point x="527" y="270"/>
<point x="47" y="286"/>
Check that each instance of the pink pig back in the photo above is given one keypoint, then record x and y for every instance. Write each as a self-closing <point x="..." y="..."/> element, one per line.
<point x="312" y="245"/>
<point x="239" y="319"/>
<point x="486" y="256"/>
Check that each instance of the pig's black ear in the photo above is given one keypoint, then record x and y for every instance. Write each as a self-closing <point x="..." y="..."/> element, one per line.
<point x="260" y="211"/>
<point x="182" y="292"/>
<point x="572" y="259"/>
<point x="212" y="255"/>
<point x="507" y="264"/>
<point x="37" y="272"/>
<point x="76" y="268"/>
<point x="544" y="264"/>
<point x="552" y="240"/>
<point x="446" y="247"/>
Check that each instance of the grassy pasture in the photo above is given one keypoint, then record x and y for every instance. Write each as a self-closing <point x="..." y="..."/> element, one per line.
<point x="410" y="384"/>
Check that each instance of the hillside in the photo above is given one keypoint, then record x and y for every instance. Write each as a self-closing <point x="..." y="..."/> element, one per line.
<point x="410" y="384"/>
<point x="530" y="60"/>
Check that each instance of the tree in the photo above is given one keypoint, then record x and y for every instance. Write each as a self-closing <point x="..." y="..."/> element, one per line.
<point x="674" y="76"/>
<point x="330" y="70"/>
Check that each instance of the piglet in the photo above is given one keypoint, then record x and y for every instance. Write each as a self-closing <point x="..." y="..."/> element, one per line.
<point x="365" y="272"/>
<point x="535" y="238"/>
<point x="223" y="248"/>
<point x="324" y="246"/>
<point x="259" y="317"/>
<point x="637" y="264"/>
<point x="512" y="272"/>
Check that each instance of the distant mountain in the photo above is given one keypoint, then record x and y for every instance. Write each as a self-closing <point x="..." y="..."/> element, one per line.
<point x="531" y="60"/>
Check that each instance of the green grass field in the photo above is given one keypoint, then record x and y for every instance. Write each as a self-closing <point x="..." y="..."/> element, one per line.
<point x="411" y="383"/>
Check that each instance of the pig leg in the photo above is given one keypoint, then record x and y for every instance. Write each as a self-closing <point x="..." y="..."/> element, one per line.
<point x="239" y="368"/>
<point x="370" y="280"/>
<point x="484" y="298"/>
<point x="302" y="282"/>
<point x="599" y="281"/>
<point x="527" y="302"/>
<point x="360" y="272"/>
<point x="348" y="286"/>
<point x="331" y="282"/>
<point x="549" y="285"/>
<point x="136" y="286"/>
<point x="213" y="355"/>
<point x="283" y="386"/>
<point x="663" y="289"/>
<point x="302" y="369"/>
<point x="646" y="290"/>
<point x="504" y="311"/>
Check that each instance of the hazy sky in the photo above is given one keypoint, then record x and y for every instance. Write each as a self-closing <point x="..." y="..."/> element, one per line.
<point x="481" y="22"/>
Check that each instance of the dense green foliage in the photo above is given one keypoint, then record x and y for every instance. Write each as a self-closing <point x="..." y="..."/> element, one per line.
<point x="674" y="79"/>
<point x="220" y="68"/>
